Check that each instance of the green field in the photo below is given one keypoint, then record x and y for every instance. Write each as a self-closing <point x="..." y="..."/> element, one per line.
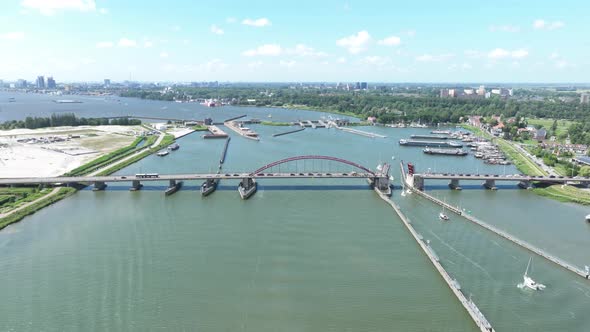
<point x="562" y="125"/>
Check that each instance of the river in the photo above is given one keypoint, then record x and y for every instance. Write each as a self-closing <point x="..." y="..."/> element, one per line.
<point x="311" y="255"/>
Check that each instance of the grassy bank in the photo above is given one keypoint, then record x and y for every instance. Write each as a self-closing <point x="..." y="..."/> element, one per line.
<point x="31" y="194"/>
<point x="562" y="193"/>
<point x="315" y="109"/>
<point x="12" y="198"/>
<point x="565" y="193"/>
<point x="108" y="158"/>
<point x="19" y="215"/>
<point x="199" y="128"/>
<point x="278" y="124"/>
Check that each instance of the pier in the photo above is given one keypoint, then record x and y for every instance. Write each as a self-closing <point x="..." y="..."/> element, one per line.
<point x="236" y="117"/>
<point x="215" y="132"/>
<point x="241" y="130"/>
<point x="360" y="132"/>
<point x="224" y="153"/>
<point x="288" y="132"/>
<point x="478" y="318"/>
<point x="408" y="183"/>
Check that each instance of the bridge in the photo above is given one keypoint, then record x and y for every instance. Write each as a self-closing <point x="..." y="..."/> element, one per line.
<point x="247" y="186"/>
<point x="489" y="180"/>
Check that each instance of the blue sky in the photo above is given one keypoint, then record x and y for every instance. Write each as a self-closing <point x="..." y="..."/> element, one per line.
<point x="376" y="41"/>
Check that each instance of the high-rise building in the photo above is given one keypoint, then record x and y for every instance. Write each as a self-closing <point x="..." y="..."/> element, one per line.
<point x="444" y="93"/>
<point x="21" y="84"/>
<point x="107" y="82"/>
<point x="40" y="82"/>
<point x="481" y="91"/>
<point x="51" y="83"/>
<point x="585" y="98"/>
<point x="357" y="86"/>
<point x="364" y="85"/>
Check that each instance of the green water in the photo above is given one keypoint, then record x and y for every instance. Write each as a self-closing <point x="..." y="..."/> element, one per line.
<point x="305" y="255"/>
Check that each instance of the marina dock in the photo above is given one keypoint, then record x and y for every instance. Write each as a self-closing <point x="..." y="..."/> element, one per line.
<point x="241" y="130"/>
<point x="360" y="132"/>
<point x="224" y="153"/>
<point x="495" y="230"/>
<point x="478" y="318"/>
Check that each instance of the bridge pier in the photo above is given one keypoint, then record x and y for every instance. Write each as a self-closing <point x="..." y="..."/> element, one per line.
<point x="418" y="182"/>
<point x="173" y="187"/>
<point x="99" y="185"/>
<point x="454" y="184"/>
<point x="135" y="185"/>
<point x="525" y="184"/>
<point x="490" y="184"/>
<point x="209" y="186"/>
<point x="247" y="187"/>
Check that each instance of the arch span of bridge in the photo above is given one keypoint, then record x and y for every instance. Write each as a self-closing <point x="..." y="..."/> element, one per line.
<point x="312" y="157"/>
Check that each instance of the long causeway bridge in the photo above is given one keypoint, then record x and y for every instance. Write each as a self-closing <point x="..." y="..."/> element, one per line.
<point x="489" y="180"/>
<point x="246" y="187"/>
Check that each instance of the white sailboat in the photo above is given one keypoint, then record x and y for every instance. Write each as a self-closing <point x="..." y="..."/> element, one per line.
<point x="442" y="216"/>
<point x="528" y="282"/>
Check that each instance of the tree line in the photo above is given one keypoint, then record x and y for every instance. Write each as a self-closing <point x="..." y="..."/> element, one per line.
<point x="67" y="119"/>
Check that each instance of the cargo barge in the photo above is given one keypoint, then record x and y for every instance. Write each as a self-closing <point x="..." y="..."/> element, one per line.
<point x="446" y="152"/>
<point x="438" y="144"/>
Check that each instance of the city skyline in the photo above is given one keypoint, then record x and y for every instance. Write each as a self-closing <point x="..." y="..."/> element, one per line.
<point x="86" y="40"/>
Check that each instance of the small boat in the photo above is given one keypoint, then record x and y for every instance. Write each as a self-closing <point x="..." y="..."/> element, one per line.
<point x="588" y="218"/>
<point x="270" y="115"/>
<point x="163" y="153"/>
<point x="174" y="147"/>
<point x="442" y="216"/>
<point x="528" y="282"/>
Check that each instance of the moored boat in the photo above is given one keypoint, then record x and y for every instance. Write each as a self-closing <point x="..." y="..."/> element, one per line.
<point x="163" y="153"/>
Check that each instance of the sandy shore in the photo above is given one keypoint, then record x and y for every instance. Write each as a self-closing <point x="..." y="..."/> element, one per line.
<point x="35" y="158"/>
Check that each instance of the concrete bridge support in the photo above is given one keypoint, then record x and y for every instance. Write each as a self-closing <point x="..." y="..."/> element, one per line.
<point x="135" y="185"/>
<point x="173" y="187"/>
<point x="247" y="187"/>
<point x="454" y="184"/>
<point x="525" y="185"/>
<point x="99" y="185"/>
<point x="418" y="182"/>
<point x="490" y="184"/>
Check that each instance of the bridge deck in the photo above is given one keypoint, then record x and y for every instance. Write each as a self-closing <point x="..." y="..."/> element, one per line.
<point x="515" y="177"/>
<point x="195" y="176"/>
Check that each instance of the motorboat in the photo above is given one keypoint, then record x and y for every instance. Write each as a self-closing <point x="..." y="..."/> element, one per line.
<point x="528" y="282"/>
<point x="443" y="216"/>
<point x="163" y="153"/>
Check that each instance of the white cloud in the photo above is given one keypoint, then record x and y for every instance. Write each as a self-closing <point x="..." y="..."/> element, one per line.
<point x="50" y="7"/>
<point x="104" y="44"/>
<point x="410" y="33"/>
<point x="504" y="28"/>
<point x="473" y="54"/>
<point x="231" y="20"/>
<point x="103" y="11"/>
<point x="341" y="60"/>
<point x="500" y="53"/>
<point x="288" y="64"/>
<point x="16" y="35"/>
<point x="214" y="65"/>
<point x="216" y="30"/>
<point x="264" y="50"/>
<point x="544" y="25"/>
<point x="561" y="64"/>
<point x="124" y="42"/>
<point x="390" y="41"/>
<point x="261" y="22"/>
<point x="355" y="43"/>
<point x="163" y="55"/>
<point x="147" y="44"/>
<point x="434" y="58"/>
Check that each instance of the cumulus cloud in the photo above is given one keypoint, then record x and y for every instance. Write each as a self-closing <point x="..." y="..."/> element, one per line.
<point x="544" y="25"/>
<point x="50" y="7"/>
<point x="261" y="22"/>
<point x="147" y="44"/>
<point x="216" y="30"/>
<point x="16" y="35"/>
<point x="124" y="42"/>
<point x="103" y="11"/>
<point x="104" y="44"/>
<point x="163" y="54"/>
<point x="355" y="43"/>
<point x="500" y="53"/>
<point x="341" y="60"/>
<point x="390" y="41"/>
<point x="264" y="50"/>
